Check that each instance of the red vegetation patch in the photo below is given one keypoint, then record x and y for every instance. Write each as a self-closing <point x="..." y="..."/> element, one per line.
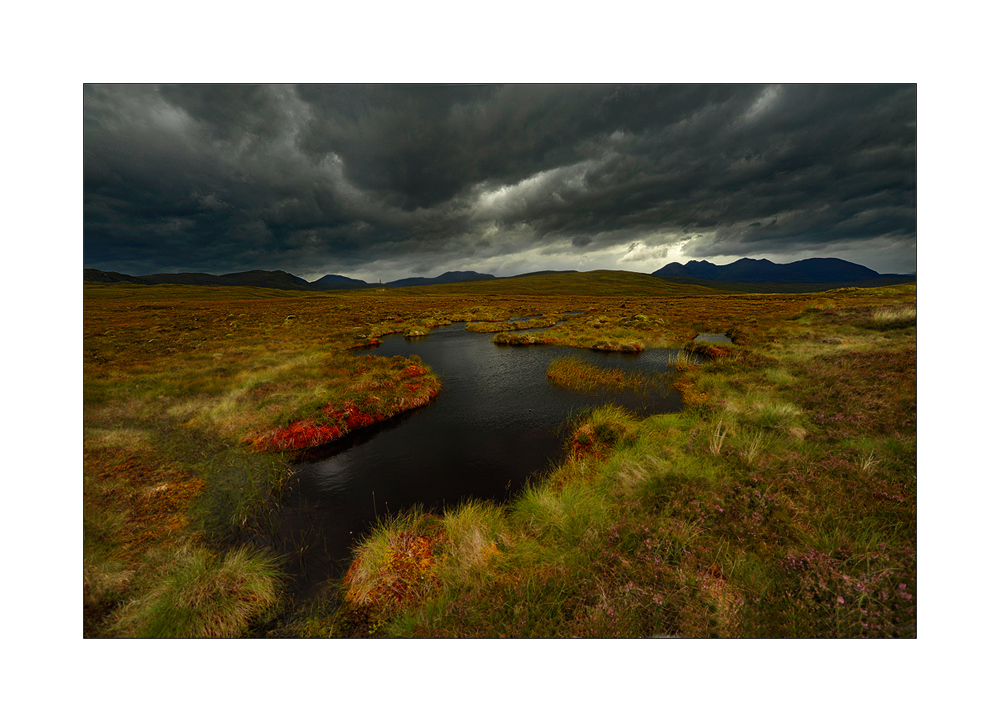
<point x="584" y="442"/>
<point x="297" y="435"/>
<point x="308" y="433"/>
<point x="714" y="352"/>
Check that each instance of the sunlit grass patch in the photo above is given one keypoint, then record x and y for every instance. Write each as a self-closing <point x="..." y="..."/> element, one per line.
<point x="498" y="326"/>
<point x="474" y="536"/>
<point x="894" y="317"/>
<point x="780" y="377"/>
<point x="571" y="517"/>
<point x="129" y="438"/>
<point x="760" y="410"/>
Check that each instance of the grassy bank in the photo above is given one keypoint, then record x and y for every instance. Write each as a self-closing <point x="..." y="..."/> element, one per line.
<point x="780" y="503"/>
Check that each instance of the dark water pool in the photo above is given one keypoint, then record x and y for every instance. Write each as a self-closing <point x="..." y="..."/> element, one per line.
<point x="495" y="423"/>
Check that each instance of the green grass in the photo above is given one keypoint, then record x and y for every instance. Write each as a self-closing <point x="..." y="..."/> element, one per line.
<point x="201" y="595"/>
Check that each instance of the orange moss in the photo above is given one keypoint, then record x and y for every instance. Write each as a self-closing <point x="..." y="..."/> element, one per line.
<point x="406" y="567"/>
<point x="692" y="398"/>
<point x="156" y="497"/>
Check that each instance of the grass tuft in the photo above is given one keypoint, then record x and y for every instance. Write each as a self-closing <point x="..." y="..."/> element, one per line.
<point x="718" y="436"/>
<point x="205" y="595"/>
<point x="894" y="317"/>
<point x="577" y="375"/>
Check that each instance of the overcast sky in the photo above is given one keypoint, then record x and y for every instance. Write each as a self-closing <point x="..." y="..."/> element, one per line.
<point x="381" y="182"/>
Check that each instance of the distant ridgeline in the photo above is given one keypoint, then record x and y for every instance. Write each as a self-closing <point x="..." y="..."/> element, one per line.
<point x="812" y="274"/>
<point x="272" y="279"/>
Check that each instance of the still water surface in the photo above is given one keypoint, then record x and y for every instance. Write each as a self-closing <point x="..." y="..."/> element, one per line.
<point x="495" y="423"/>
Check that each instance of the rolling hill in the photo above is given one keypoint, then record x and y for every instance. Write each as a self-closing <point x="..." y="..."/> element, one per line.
<point x="694" y="277"/>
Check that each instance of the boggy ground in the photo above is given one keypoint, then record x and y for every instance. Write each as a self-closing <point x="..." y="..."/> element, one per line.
<point x="780" y="503"/>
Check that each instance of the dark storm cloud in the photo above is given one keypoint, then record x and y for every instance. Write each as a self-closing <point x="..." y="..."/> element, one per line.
<point x="316" y="179"/>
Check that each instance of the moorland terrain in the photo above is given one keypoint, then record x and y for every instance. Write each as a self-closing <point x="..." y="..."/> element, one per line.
<point x="781" y="502"/>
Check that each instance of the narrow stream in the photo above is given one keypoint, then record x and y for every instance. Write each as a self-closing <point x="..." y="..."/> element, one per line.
<point x="495" y="424"/>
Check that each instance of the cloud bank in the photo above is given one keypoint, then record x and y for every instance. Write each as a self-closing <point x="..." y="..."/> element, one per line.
<point x="389" y="181"/>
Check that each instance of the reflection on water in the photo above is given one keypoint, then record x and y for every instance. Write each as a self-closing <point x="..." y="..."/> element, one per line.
<point x="495" y="423"/>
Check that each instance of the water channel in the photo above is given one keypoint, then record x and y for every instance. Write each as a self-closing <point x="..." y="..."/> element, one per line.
<point x="495" y="423"/>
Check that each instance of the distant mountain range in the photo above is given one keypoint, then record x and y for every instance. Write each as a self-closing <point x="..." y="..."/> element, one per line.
<point x="830" y="271"/>
<point x="748" y="270"/>
<point x="273" y="279"/>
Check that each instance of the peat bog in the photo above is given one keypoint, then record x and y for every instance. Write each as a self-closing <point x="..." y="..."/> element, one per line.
<point x="776" y="497"/>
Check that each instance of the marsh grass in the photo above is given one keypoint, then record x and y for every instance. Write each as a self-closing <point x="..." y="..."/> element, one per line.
<point x="396" y="564"/>
<point x="751" y="446"/>
<point x="686" y="360"/>
<point x="571" y="373"/>
<point x="641" y="530"/>
<point x="894" y="317"/>
<point x="475" y="537"/>
<point x="718" y="436"/>
<point x="201" y="594"/>
<point x="759" y="410"/>
<point x="243" y="499"/>
<point x="868" y="462"/>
